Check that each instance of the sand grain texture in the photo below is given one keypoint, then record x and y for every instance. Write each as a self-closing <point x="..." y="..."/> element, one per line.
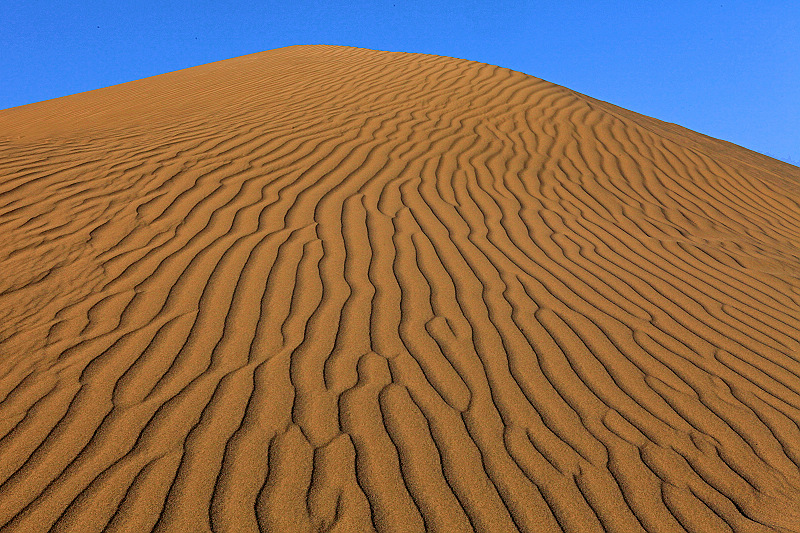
<point x="332" y="289"/>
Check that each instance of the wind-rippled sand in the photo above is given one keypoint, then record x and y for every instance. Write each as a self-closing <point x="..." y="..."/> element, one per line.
<point x="330" y="289"/>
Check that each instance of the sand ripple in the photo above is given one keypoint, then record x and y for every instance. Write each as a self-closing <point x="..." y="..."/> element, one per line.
<point x="331" y="289"/>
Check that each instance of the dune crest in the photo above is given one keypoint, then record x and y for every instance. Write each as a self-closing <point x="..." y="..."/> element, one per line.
<point x="332" y="289"/>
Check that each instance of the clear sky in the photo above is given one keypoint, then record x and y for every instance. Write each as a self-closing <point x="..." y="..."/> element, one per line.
<point x="727" y="69"/>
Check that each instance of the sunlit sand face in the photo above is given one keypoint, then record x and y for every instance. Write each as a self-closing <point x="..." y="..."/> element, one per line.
<point x="324" y="287"/>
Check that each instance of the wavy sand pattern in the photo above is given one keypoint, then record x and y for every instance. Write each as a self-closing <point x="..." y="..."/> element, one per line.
<point x="331" y="289"/>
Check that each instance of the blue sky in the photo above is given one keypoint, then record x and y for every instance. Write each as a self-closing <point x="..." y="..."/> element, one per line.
<point x="727" y="69"/>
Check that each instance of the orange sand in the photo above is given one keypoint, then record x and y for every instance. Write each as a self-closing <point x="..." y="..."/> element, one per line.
<point x="325" y="288"/>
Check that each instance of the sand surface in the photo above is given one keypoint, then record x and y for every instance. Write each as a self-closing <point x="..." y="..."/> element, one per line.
<point x="330" y="289"/>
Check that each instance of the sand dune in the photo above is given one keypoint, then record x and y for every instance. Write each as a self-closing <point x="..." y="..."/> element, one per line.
<point x="331" y="289"/>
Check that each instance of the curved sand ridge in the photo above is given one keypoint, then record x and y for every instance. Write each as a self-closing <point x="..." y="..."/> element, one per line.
<point x="324" y="288"/>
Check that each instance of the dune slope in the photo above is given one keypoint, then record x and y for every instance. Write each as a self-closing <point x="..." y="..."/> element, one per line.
<point x="331" y="289"/>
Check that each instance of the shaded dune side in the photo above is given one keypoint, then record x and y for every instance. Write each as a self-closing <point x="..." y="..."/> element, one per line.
<point x="323" y="288"/>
